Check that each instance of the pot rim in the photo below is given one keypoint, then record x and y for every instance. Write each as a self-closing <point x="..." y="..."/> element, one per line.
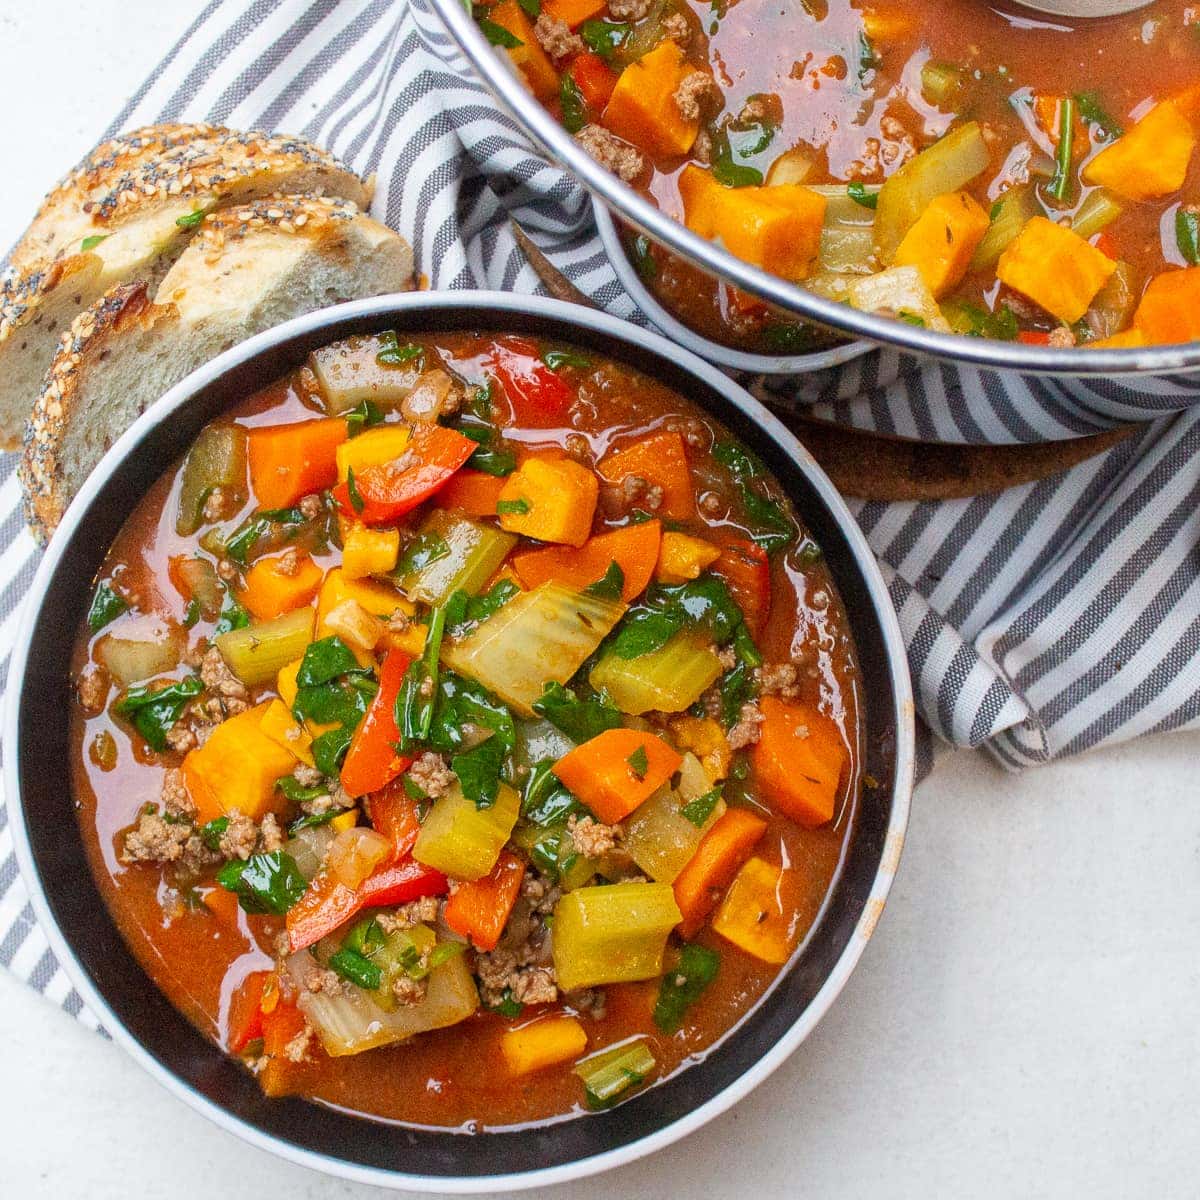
<point x="549" y="136"/>
<point x="903" y="716"/>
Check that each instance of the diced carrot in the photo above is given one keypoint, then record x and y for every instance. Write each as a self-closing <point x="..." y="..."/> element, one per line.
<point x="529" y="58"/>
<point x="711" y="869"/>
<point x="270" y="591"/>
<point x="223" y="905"/>
<point x="279" y="1076"/>
<point x="634" y="548"/>
<point x="1033" y="337"/>
<point x="746" y="569"/>
<point x="474" y="492"/>
<point x="1169" y="311"/>
<point x="776" y="227"/>
<point x="394" y="814"/>
<point x="798" y="760"/>
<point x="542" y="1043"/>
<point x="246" y="1012"/>
<point x="661" y="460"/>
<point x="1149" y="160"/>
<point x="1055" y="268"/>
<point x="550" y="499"/>
<point x="594" y="79"/>
<point x="574" y="12"/>
<point x="617" y="770"/>
<point x="372" y="760"/>
<point x="642" y="109"/>
<point x="290" y="461"/>
<point x="479" y="909"/>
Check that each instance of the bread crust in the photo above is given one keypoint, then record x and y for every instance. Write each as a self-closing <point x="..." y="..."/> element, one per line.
<point x="236" y="277"/>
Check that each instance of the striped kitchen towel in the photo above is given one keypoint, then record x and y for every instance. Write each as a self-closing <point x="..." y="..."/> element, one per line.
<point x="1040" y="622"/>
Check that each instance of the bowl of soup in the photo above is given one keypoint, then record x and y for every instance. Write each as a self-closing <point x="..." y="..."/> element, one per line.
<point x="964" y="179"/>
<point x="459" y="742"/>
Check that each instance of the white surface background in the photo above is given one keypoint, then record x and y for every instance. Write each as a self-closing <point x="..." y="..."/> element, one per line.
<point x="1025" y="1022"/>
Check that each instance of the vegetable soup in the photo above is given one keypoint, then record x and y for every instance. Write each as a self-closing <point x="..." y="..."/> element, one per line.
<point x="459" y="701"/>
<point x="963" y="166"/>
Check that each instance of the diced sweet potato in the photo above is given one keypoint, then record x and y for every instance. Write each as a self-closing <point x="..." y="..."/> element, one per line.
<point x="551" y="499"/>
<point x="942" y="242"/>
<point x="529" y="58"/>
<point x="642" y="108"/>
<point x="271" y="589"/>
<point x="1151" y="159"/>
<point x="1055" y="268"/>
<point x="777" y="228"/>
<point x="1170" y="307"/>
<point x="574" y="12"/>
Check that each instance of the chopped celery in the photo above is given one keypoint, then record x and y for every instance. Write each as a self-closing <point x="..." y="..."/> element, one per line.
<point x="134" y="659"/>
<point x="256" y="653"/>
<point x="611" y="1074"/>
<point x="847" y="249"/>
<point x="468" y="554"/>
<point x="404" y="954"/>
<point x="464" y="841"/>
<point x="1100" y="208"/>
<point x="614" y="934"/>
<point x="946" y="166"/>
<point x="217" y="459"/>
<point x="349" y="1022"/>
<point x="941" y="83"/>
<point x="1010" y="214"/>
<point x="900" y="292"/>
<point x="661" y="838"/>
<point x="669" y="679"/>
<point x="541" y="636"/>
<point x="350" y="372"/>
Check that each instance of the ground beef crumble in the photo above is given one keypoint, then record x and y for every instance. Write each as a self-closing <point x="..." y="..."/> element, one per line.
<point x="415" y="912"/>
<point x="591" y="838"/>
<point x="747" y="728"/>
<point x="779" y="679"/>
<point x="297" y="1049"/>
<point x="409" y="991"/>
<point x="222" y="684"/>
<point x="540" y="893"/>
<point x="622" y="159"/>
<point x="240" y="836"/>
<point x="92" y="688"/>
<point x="629" y="10"/>
<point x="696" y="95"/>
<point x="431" y="774"/>
<point x="175" y="798"/>
<point x="311" y="506"/>
<point x="516" y="971"/>
<point x="556" y="37"/>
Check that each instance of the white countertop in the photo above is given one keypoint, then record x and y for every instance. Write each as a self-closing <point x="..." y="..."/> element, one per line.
<point x="1024" y="1022"/>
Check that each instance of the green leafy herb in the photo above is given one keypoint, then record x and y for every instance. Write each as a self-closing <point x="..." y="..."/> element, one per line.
<point x="1092" y="110"/>
<point x="312" y="820"/>
<point x="356" y="500"/>
<point x="639" y="764"/>
<point x="191" y="220"/>
<point x="329" y="749"/>
<point x="325" y="660"/>
<point x="479" y="403"/>
<point x="264" y="883"/>
<point x="571" y="104"/>
<point x="517" y="507"/>
<point x="488" y="458"/>
<point x="1187" y="234"/>
<point x="416" y="701"/>
<point x="106" y="607"/>
<point x="90" y="243"/>
<point x="546" y="800"/>
<point x="362" y="416"/>
<point x="910" y="318"/>
<point x="498" y="35"/>
<point x="773" y="529"/>
<point x="211" y="831"/>
<point x="785" y="337"/>
<point x="508" y="1007"/>
<point x="641" y="251"/>
<point x="728" y="171"/>
<point x="462" y="704"/>
<point x="360" y="971"/>
<point x="463" y="611"/>
<point x="191" y="614"/>
<point x="557" y="359"/>
<point x="701" y="808"/>
<point x="153" y="711"/>
<point x="232" y="616"/>
<point x="1060" y="185"/>
<point x="605" y="38"/>
<point x="860" y="194"/>
<point x="531" y="8"/>
<point x="705" y="603"/>
<point x="973" y="321"/>
<point x="734" y="688"/>
<point x="579" y="719"/>
<point x="297" y="793"/>
<point x="255" y="527"/>
<point x="413" y="790"/>
<point x="610" y="585"/>
<point x="393" y="354"/>
<point x="682" y="987"/>
<point x="423" y="551"/>
<point x="365" y="937"/>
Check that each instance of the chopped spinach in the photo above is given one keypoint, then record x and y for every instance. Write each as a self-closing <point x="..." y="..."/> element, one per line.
<point x="683" y="986"/>
<point x="153" y="711"/>
<point x="666" y="609"/>
<point x="610" y="585"/>
<point x="264" y="883"/>
<point x="106" y="607"/>
<point x="773" y="529"/>
<point x="579" y="719"/>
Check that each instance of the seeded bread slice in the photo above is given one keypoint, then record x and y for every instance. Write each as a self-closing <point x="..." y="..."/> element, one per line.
<point x="126" y="213"/>
<point x="248" y="268"/>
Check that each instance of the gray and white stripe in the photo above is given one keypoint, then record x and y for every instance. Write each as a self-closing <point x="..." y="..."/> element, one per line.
<point x="1041" y="622"/>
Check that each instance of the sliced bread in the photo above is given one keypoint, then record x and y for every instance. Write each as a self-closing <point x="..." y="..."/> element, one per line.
<point x="125" y="214"/>
<point x="248" y="268"/>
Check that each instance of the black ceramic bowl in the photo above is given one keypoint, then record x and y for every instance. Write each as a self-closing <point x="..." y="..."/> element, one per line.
<point x="109" y="978"/>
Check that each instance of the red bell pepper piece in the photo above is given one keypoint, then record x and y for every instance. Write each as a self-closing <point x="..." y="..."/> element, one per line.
<point x="480" y="909"/>
<point x="746" y="569"/>
<point x="594" y="79"/>
<point x="1033" y="337"/>
<point x="245" y="1011"/>
<point x="391" y="489"/>
<point x="539" y="396"/>
<point x="394" y="814"/>
<point x="371" y="760"/>
<point x="328" y="903"/>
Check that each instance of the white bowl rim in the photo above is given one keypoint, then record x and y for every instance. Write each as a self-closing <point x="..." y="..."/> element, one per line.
<point x="904" y="715"/>
<point x="712" y="351"/>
